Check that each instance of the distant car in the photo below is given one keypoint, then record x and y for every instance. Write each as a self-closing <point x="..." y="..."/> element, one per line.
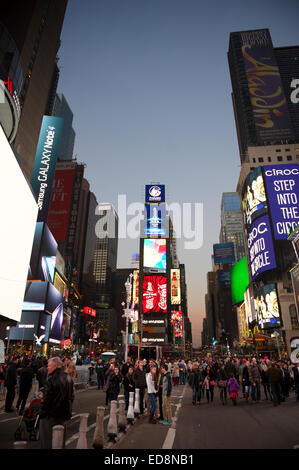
<point x="106" y="356"/>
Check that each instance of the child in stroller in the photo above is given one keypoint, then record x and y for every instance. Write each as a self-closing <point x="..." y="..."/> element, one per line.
<point x="29" y="422"/>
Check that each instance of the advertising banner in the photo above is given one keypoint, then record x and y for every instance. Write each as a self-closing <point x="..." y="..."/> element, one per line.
<point x="249" y="307"/>
<point x="175" y="287"/>
<point x="153" y="330"/>
<point x="54" y="306"/>
<point x="260" y="247"/>
<point x="154" y="255"/>
<point x="177" y="323"/>
<point x="155" y="220"/>
<point x="242" y="323"/>
<point x="45" y="164"/>
<point x="295" y="281"/>
<point x="239" y="280"/>
<point x="224" y="279"/>
<point x="43" y="257"/>
<point x="35" y="296"/>
<point x="282" y="184"/>
<point x="267" y="307"/>
<point x="268" y="101"/>
<point x="254" y="200"/>
<point x="154" y="193"/>
<point x="135" y="287"/>
<point x="224" y="253"/>
<point x="61" y="197"/>
<point x="154" y="294"/>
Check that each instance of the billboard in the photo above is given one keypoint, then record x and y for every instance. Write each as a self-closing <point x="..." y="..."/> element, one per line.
<point x="61" y="200"/>
<point x="135" y="287"/>
<point x="260" y="247"/>
<point x="35" y="296"/>
<point x="224" y="253"/>
<point x="89" y="311"/>
<point x="254" y="202"/>
<point x="267" y="307"/>
<point x="282" y="184"/>
<point x="269" y="105"/>
<point x="239" y="280"/>
<point x="249" y="307"/>
<point x="224" y="279"/>
<point x="153" y="330"/>
<point x="45" y="163"/>
<point x="30" y="324"/>
<point x="154" y="193"/>
<point x="177" y="323"/>
<point x="155" y="220"/>
<point x="175" y="286"/>
<point x="18" y="219"/>
<point x="154" y="255"/>
<point x="54" y="306"/>
<point x="43" y="256"/>
<point x="242" y="323"/>
<point x="154" y="295"/>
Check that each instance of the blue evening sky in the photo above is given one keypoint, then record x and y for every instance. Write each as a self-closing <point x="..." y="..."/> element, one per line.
<point x="149" y="86"/>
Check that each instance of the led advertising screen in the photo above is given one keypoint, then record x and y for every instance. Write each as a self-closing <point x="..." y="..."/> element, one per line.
<point x="44" y="327"/>
<point x="177" y="323"/>
<point x="267" y="307"/>
<point x="239" y="280"/>
<point x="242" y="324"/>
<point x="268" y="101"/>
<point x="282" y="184"/>
<point x="54" y="306"/>
<point x="154" y="294"/>
<point x="175" y="286"/>
<point x="45" y="163"/>
<point x="43" y="257"/>
<point x="135" y="287"/>
<point x="18" y="212"/>
<point x="26" y="327"/>
<point x="224" y="279"/>
<point x="224" y="253"/>
<point x="155" y="220"/>
<point x="35" y="296"/>
<point x="249" y="307"/>
<point x="154" y="255"/>
<point x="254" y="200"/>
<point x="153" y="330"/>
<point x="154" y="193"/>
<point x="260" y="247"/>
<point x="61" y="198"/>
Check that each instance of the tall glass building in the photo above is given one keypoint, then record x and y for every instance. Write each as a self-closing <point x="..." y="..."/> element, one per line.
<point x="231" y="223"/>
<point x="62" y="109"/>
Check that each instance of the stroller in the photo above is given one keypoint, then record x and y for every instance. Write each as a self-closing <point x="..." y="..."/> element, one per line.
<point x="28" y="428"/>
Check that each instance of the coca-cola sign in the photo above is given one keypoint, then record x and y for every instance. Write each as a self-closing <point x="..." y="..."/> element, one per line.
<point x="154" y="294"/>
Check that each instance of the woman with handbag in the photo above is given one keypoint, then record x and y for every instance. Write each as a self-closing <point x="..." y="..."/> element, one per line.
<point x="222" y="384"/>
<point x="209" y="383"/>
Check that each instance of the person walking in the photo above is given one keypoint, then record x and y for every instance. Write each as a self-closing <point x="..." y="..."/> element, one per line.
<point x="25" y="385"/>
<point x="175" y="373"/>
<point x="274" y="375"/>
<point x="108" y="372"/>
<point x="152" y="390"/>
<point x="233" y="387"/>
<point x="160" y="390"/>
<point x="100" y="374"/>
<point x="255" y="379"/>
<point x="182" y="372"/>
<point x="166" y="395"/>
<point x="265" y="380"/>
<point x="246" y="381"/>
<point x="209" y="383"/>
<point x="10" y="384"/>
<point x="57" y="401"/>
<point x="222" y="384"/>
<point x="140" y="382"/>
<point x="129" y="385"/>
<point x="195" y="381"/>
<point x="70" y="368"/>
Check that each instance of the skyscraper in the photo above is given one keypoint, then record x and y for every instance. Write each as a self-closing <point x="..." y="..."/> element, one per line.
<point x="62" y="109"/>
<point x="231" y="223"/>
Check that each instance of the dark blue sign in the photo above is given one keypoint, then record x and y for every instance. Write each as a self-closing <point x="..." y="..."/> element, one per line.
<point x="154" y="193"/>
<point x="282" y="184"/>
<point x="224" y="253"/>
<point x="260" y="247"/>
<point x="155" y="222"/>
<point x="45" y="163"/>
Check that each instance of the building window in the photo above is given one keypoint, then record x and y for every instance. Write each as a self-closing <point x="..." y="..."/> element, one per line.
<point x="261" y="159"/>
<point x="277" y="150"/>
<point x="253" y="160"/>
<point x="289" y="157"/>
<point x="279" y="159"/>
<point x="269" y="159"/>
<point x="294" y="317"/>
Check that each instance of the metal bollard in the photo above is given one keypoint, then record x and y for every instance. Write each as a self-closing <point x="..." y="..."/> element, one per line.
<point x="122" y="419"/>
<point x="98" y="438"/>
<point x="82" y="441"/>
<point x="137" y="402"/>
<point x="112" y="423"/>
<point x="130" y="414"/>
<point x="58" y="437"/>
<point x="20" y="445"/>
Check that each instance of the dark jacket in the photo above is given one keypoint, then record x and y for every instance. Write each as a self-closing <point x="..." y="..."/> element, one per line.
<point x="167" y="384"/>
<point x="125" y="368"/>
<point x="139" y="378"/>
<point x="296" y="375"/>
<point x="58" y="396"/>
<point x="114" y="383"/>
<point x="26" y="378"/>
<point x="100" y="370"/>
<point x="11" y="375"/>
<point x="41" y="376"/>
<point x="245" y="376"/>
<point x="195" y="377"/>
<point x="274" y="374"/>
<point x="129" y="380"/>
<point x="222" y="375"/>
<point x="230" y="368"/>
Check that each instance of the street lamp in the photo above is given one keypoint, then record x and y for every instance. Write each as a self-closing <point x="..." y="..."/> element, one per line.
<point x="128" y="313"/>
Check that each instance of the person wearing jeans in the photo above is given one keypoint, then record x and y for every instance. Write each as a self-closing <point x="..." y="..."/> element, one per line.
<point x="152" y="390"/>
<point x="274" y="376"/>
<point x="255" y="379"/>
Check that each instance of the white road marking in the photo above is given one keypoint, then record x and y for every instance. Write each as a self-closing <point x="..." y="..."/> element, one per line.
<point x="169" y="440"/>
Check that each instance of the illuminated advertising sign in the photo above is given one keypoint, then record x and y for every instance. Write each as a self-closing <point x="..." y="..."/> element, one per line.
<point x="154" y="294"/>
<point x="54" y="306"/>
<point x="239" y="280"/>
<point x="153" y="330"/>
<point x="254" y="201"/>
<point x="135" y="287"/>
<point x="267" y="307"/>
<point x="177" y="322"/>
<point x="18" y="212"/>
<point x="260" y="247"/>
<point x="295" y="281"/>
<point x="154" y="193"/>
<point x="32" y="325"/>
<point x="45" y="164"/>
<point x="249" y="307"/>
<point x="224" y="253"/>
<point x="89" y="311"/>
<point x="155" y="221"/>
<point x="242" y="324"/>
<point x="61" y="198"/>
<point x="282" y="184"/>
<point x="35" y="296"/>
<point x="268" y="101"/>
<point x="43" y="256"/>
<point x="175" y="287"/>
<point x="154" y="255"/>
